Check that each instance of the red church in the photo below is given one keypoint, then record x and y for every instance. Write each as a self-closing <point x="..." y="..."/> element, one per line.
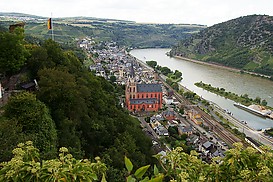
<point x="143" y="97"/>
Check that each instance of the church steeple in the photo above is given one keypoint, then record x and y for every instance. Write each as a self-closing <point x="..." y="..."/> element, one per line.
<point x="132" y="71"/>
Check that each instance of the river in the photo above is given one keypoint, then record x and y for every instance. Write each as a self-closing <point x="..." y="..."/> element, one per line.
<point x="217" y="77"/>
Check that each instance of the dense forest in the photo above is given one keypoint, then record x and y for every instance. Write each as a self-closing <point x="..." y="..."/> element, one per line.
<point x="72" y="108"/>
<point x="245" y="43"/>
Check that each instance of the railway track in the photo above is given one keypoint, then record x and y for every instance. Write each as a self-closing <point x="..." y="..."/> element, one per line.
<point x="225" y="135"/>
<point x="216" y="127"/>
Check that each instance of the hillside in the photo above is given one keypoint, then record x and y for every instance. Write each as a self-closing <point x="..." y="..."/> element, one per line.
<point x="245" y="43"/>
<point x="127" y="33"/>
<point x="72" y="107"/>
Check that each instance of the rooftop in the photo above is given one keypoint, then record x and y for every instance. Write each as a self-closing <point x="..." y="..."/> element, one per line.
<point x="140" y="101"/>
<point x="153" y="87"/>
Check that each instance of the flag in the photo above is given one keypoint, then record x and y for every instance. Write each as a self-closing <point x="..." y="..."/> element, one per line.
<point x="49" y="24"/>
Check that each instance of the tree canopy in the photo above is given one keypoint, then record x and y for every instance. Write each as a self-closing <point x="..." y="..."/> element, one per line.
<point x="13" y="54"/>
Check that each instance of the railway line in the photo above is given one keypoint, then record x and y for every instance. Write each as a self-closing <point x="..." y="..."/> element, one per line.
<point x="216" y="127"/>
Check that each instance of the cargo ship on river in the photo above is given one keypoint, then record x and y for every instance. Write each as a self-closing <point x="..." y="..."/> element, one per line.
<point x="253" y="111"/>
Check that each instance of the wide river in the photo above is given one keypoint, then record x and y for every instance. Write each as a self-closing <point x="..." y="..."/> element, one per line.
<point x="217" y="77"/>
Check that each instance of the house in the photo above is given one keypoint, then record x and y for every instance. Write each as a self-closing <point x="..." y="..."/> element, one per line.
<point x="161" y="131"/>
<point x="185" y="130"/>
<point x="168" y="100"/>
<point x="207" y="145"/>
<point x="193" y="139"/>
<point x="30" y="86"/>
<point x="169" y="115"/>
<point x="195" y="116"/>
<point x="218" y="153"/>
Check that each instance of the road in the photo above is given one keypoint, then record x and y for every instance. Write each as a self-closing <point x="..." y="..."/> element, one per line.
<point x="148" y="127"/>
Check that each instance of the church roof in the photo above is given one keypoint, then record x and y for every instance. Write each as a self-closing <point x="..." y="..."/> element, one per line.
<point x="145" y="101"/>
<point x="154" y="87"/>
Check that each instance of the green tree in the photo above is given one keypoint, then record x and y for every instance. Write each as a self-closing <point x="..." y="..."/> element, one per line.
<point x="13" y="54"/>
<point x="37" y="61"/>
<point x="152" y="64"/>
<point x="11" y="134"/>
<point x="59" y="91"/>
<point x="175" y="86"/>
<point x="181" y="91"/>
<point x="34" y="118"/>
<point x="165" y="70"/>
<point x="264" y="102"/>
<point x="257" y="100"/>
<point x="177" y="74"/>
<point x="113" y="78"/>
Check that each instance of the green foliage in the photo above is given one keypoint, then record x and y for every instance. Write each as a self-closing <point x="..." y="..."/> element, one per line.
<point x="175" y="86"/>
<point x="238" y="165"/>
<point x="86" y="112"/>
<point x="140" y="172"/>
<point x="181" y="111"/>
<point x="125" y="33"/>
<point x="243" y="99"/>
<point x="34" y="120"/>
<point x="13" y="54"/>
<point x="177" y="74"/>
<point x="113" y="78"/>
<point x="10" y="133"/>
<point x="26" y="165"/>
<point x="189" y="95"/>
<point x="181" y="91"/>
<point x="152" y="64"/>
<point x="244" y="43"/>
<point x="128" y="164"/>
<point x="264" y="102"/>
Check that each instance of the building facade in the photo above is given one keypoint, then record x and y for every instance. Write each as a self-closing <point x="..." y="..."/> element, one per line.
<point x="143" y="97"/>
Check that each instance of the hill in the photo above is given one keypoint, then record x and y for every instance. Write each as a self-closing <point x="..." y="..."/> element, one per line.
<point x="71" y="108"/>
<point x="125" y="33"/>
<point x="245" y="43"/>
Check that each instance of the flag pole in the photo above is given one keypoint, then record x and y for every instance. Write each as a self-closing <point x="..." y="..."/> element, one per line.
<point x="52" y="34"/>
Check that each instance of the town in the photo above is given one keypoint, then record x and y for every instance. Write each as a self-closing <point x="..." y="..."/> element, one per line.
<point x="167" y="118"/>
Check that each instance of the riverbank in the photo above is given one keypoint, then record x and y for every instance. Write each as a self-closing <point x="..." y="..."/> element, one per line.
<point x="222" y="66"/>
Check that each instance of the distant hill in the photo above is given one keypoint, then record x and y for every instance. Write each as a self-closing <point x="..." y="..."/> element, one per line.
<point x="245" y="43"/>
<point x="123" y="32"/>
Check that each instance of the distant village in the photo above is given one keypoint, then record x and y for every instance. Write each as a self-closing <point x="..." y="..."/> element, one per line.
<point x="145" y="93"/>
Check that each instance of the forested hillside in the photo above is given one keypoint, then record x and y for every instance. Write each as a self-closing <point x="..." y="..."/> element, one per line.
<point x="72" y="108"/>
<point x="245" y="43"/>
<point x="125" y="33"/>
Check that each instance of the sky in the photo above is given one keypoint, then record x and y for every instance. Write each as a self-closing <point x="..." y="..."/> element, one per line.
<point x="205" y="12"/>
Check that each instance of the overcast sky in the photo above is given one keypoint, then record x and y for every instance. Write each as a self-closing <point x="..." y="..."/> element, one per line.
<point x="206" y="12"/>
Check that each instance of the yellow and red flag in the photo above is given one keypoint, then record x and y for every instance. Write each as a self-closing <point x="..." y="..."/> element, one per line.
<point x="49" y="24"/>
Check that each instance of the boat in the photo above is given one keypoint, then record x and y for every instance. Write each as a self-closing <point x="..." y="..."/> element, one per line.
<point x="253" y="111"/>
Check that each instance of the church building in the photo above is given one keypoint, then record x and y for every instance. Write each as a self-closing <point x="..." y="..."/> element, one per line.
<point x="141" y="96"/>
